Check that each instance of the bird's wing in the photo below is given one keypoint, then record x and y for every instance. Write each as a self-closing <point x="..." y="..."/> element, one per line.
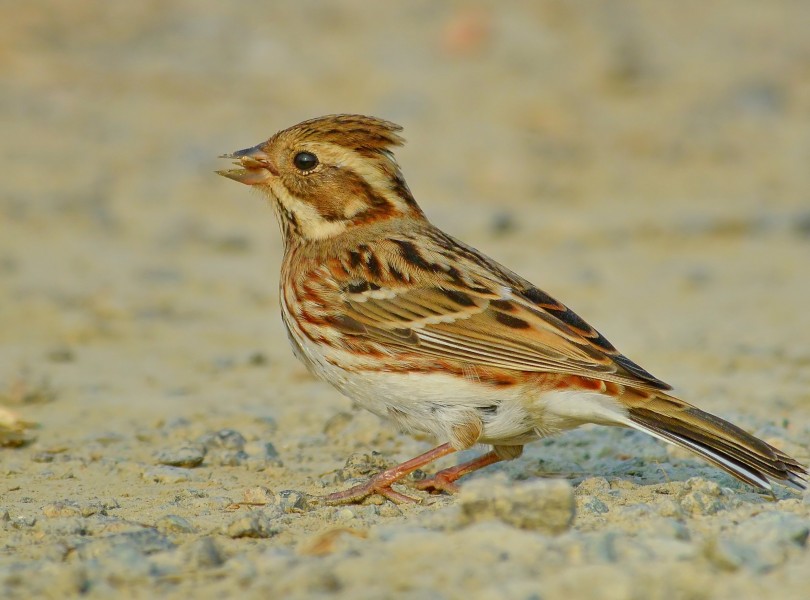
<point x="452" y="302"/>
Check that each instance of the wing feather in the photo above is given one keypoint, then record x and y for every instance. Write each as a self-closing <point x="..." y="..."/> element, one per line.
<point x="458" y="304"/>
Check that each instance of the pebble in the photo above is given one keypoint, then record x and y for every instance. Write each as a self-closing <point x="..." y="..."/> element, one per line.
<point x="224" y="448"/>
<point x="590" y="504"/>
<point x="344" y="514"/>
<point x="361" y="465"/>
<point x="140" y="542"/>
<point x="184" y="456"/>
<point x="541" y="505"/>
<point x="22" y="521"/>
<point x="593" y="486"/>
<point x="258" y="495"/>
<point x="58" y="510"/>
<point x="253" y="524"/>
<point x="203" y="553"/>
<point x="704" y="497"/>
<point x="173" y="524"/>
<point x="760" y="543"/>
<point x="71" y="508"/>
<point x="293" y="501"/>
<point x="166" y="474"/>
<point x="389" y="509"/>
<point x="224" y="439"/>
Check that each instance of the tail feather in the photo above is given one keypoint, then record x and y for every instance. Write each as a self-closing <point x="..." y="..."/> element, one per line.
<point x="721" y="443"/>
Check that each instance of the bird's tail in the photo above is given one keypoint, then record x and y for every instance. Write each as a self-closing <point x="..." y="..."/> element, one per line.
<point x="723" y="444"/>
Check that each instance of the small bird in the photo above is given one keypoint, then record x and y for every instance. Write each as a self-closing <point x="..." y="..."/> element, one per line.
<point x="426" y="331"/>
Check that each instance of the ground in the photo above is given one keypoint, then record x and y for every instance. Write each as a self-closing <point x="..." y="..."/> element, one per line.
<point x="647" y="163"/>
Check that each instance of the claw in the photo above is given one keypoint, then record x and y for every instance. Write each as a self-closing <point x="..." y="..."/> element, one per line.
<point x="381" y="483"/>
<point x="358" y="493"/>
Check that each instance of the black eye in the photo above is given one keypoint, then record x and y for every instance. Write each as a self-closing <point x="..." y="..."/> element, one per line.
<point x="305" y="161"/>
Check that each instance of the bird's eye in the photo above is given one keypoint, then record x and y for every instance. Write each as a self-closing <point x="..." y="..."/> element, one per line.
<point x="305" y="161"/>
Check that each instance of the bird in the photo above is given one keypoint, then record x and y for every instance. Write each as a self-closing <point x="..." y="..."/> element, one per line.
<point x="426" y="331"/>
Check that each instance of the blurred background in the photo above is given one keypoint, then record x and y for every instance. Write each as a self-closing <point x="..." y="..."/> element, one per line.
<point x="646" y="162"/>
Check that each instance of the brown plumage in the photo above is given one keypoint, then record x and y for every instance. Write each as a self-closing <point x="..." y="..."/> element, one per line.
<point x="422" y="329"/>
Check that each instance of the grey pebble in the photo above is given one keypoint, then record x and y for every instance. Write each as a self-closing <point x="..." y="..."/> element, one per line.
<point x="186" y="456"/>
<point x="141" y="542"/>
<point x="593" y="486"/>
<point x="65" y="526"/>
<point x="258" y="495"/>
<point x="260" y="455"/>
<point x="58" y="510"/>
<point x="166" y="474"/>
<point x="293" y="501"/>
<point x="590" y="504"/>
<point x="253" y="524"/>
<point x="704" y="497"/>
<point x="203" y="553"/>
<point x="173" y="524"/>
<point x="541" y="505"/>
<point x="761" y="543"/>
<point x="227" y="439"/>
<point x="224" y="448"/>
<point x="22" y="521"/>
<point x="71" y="508"/>
<point x="120" y="566"/>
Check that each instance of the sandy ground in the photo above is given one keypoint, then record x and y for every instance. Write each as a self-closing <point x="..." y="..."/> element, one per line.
<point x="645" y="162"/>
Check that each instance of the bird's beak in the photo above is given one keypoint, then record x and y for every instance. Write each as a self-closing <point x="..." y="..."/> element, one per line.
<point x="255" y="163"/>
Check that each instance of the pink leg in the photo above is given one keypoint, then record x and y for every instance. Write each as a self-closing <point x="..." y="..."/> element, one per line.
<point x="381" y="483"/>
<point x="443" y="481"/>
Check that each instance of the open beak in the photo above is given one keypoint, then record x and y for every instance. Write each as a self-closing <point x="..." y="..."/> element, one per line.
<point x="255" y="166"/>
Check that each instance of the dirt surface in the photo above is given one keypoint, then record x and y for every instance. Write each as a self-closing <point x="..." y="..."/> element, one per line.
<point x="645" y="162"/>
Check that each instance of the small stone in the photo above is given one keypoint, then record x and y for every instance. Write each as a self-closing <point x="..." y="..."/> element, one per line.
<point x="173" y="524"/>
<point x="344" y="514"/>
<point x="760" y="543"/>
<point x="23" y="521"/>
<point x="540" y="505"/>
<point x="59" y="510"/>
<point x="204" y="553"/>
<point x="591" y="504"/>
<point x="258" y="495"/>
<point x="293" y="501"/>
<point x="141" y="542"/>
<point x="670" y="508"/>
<point x="254" y="524"/>
<point x="261" y="455"/>
<point x="227" y="439"/>
<point x="186" y="456"/>
<point x="703" y="498"/>
<point x="593" y="486"/>
<point x="166" y="474"/>
<point x="362" y="464"/>
<point x="389" y="509"/>
<point x="44" y="457"/>
<point x="229" y="458"/>
<point x="270" y="451"/>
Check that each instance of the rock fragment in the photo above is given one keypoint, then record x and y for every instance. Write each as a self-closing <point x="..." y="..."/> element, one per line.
<point x="540" y="505"/>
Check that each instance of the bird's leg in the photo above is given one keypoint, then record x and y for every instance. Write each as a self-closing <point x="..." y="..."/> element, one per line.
<point x="443" y="481"/>
<point x="381" y="483"/>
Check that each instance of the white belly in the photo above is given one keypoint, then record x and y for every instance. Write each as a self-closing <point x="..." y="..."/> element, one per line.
<point x="437" y="402"/>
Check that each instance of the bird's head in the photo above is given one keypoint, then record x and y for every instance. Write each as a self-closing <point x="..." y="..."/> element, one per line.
<point x="328" y="174"/>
